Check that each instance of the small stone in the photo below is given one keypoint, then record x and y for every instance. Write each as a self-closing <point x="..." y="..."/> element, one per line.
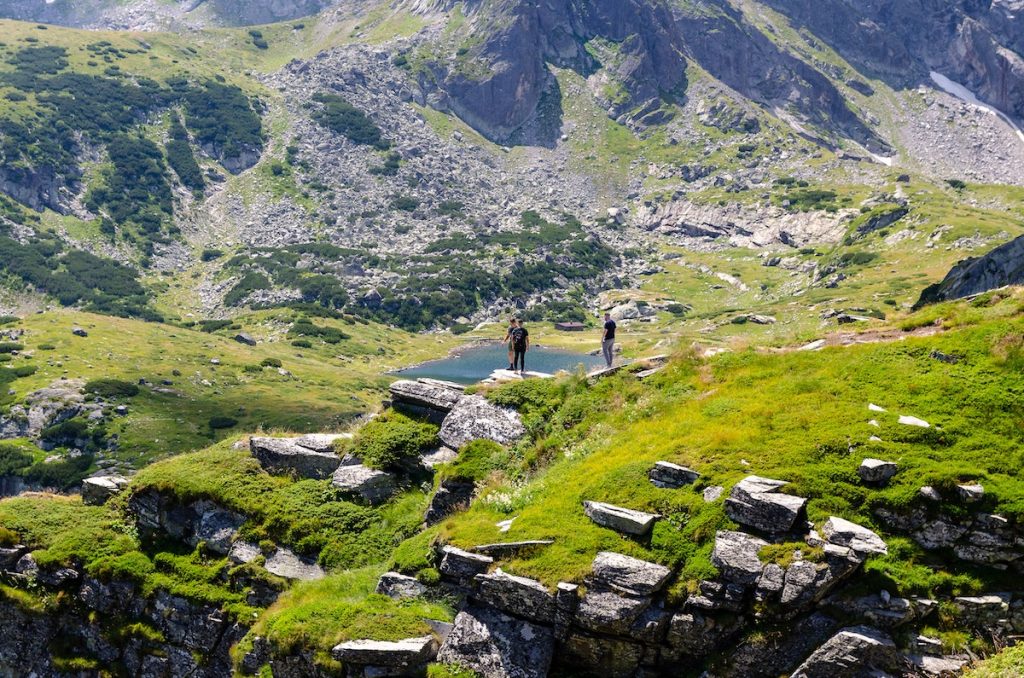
<point x="930" y="493"/>
<point x="712" y="493"/>
<point x="620" y="519"/>
<point x="511" y="548"/>
<point x="395" y="585"/>
<point x="79" y="332"/>
<point x="907" y="420"/>
<point x="98" y="490"/>
<point x="876" y="408"/>
<point x="876" y="471"/>
<point x="244" y="338"/>
<point x="672" y="476"/>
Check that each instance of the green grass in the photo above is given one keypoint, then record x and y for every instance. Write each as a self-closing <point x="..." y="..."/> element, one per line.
<point x="799" y="416"/>
<point x="316" y="616"/>
<point x="1006" y="664"/>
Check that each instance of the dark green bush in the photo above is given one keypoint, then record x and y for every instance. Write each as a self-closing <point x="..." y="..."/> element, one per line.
<point x="221" y="422"/>
<point x="387" y="441"/>
<point x="302" y="343"/>
<point x="13" y="461"/>
<point x="10" y="346"/>
<point x="270" y="362"/>
<point x="213" y="325"/>
<point x="211" y="254"/>
<point x="112" y="388"/>
<point x="340" y="116"/>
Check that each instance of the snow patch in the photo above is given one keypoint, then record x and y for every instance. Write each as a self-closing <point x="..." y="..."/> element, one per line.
<point x="964" y="94"/>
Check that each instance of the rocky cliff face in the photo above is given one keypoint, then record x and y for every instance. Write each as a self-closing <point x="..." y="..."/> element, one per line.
<point x="1002" y="266"/>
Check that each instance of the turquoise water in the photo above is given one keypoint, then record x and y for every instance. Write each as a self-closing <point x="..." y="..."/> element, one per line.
<point x="477" y="362"/>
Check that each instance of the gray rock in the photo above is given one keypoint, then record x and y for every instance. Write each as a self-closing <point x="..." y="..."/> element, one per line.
<point x="395" y="585"/>
<point x="876" y="471"/>
<point x="620" y="519"/>
<point x="851" y="653"/>
<point x="606" y="611"/>
<point x="244" y="552"/>
<point x="283" y="455"/>
<point x="629" y="575"/>
<point x="860" y="540"/>
<point x="426" y="393"/>
<point x="474" y="418"/>
<point x="999" y="267"/>
<point x="717" y="596"/>
<point x="321" y="442"/>
<point x="217" y="527"/>
<point x="79" y="332"/>
<point x="407" y="654"/>
<point x="695" y="635"/>
<point x="459" y="564"/>
<point x="372" y="486"/>
<point x="971" y="493"/>
<point x="10" y="556"/>
<point x="672" y="476"/>
<point x="245" y="338"/>
<point x="442" y="455"/>
<point x="451" y="496"/>
<point x="286" y="564"/>
<point x="498" y="646"/>
<point x="518" y="596"/>
<point x="712" y="493"/>
<point x="772" y="580"/>
<point x="603" y="656"/>
<point x="735" y="556"/>
<point x="97" y="490"/>
<point x="755" y="503"/>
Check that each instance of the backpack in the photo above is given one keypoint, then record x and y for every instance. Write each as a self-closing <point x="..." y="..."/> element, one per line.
<point x="519" y="338"/>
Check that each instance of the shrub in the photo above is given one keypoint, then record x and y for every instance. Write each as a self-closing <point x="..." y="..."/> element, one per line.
<point x="13" y="461"/>
<point x="112" y="388"/>
<point x="956" y="184"/>
<point x="47" y="347"/>
<point x="270" y="362"/>
<point x="10" y="346"/>
<point x="62" y="475"/>
<point x="302" y="343"/>
<point x="211" y="254"/>
<point x="221" y="422"/>
<point x="213" y="325"/>
<point x="340" y="116"/>
<point x="8" y="319"/>
<point x="404" y="203"/>
<point x="476" y="460"/>
<point x="386" y="442"/>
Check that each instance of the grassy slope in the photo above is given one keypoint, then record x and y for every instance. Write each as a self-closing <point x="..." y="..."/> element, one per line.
<point x="797" y="416"/>
<point x="327" y="387"/>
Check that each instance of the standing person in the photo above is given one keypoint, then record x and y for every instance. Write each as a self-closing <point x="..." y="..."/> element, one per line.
<point x="608" y="339"/>
<point x="520" y="345"/>
<point x="508" y="341"/>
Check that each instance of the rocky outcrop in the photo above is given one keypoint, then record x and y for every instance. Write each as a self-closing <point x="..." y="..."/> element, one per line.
<point x="424" y="398"/>
<point x="1002" y="266"/>
<point x="498" y="645"/>
<point x="99" y="489"/>
<point x="286" y="455"/>
<point x="474" y="418"/>
<point x="853" y="652"/>
<point x="369" y="485"/>
<point x="402" y="657"/>
<point x="452" y="495"/>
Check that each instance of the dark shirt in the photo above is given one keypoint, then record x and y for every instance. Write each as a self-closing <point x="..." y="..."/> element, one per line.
<point x="519" y="337"/>
<point x="609" y="329"/>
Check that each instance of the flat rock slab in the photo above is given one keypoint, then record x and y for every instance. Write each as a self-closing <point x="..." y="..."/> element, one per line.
<point x="736" y="556"/>
<point x="98" y="490"/>
<point x="474" y="418"/>
<point x="286" y="564"/>
<point x="284" y="455"/>
<point x="620" y="519"/>
<point x="907" y="420"/>
<point x="511" y="547"/>
<point x="395" y="585"/>
<point x="431" y="394"/>
<point x="876" y="471"/>
<point x="463" y="564"/>
<point x="217" y="527"/>
<point x="244" y="552"/>
<point x="857" y="538"/>
<point x="372" y="486"/>
<point x="408" y="653"/>
<point x="629" y="575"/>
<point x="672" y="476"/>
<point x="754" y="502"/>
<point x="321" y="442"/>
<point x="520" y="596"/>
<point x="497" y="645"/>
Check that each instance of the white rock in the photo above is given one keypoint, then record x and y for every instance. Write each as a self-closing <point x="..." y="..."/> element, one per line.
<point x="913" y="421"/>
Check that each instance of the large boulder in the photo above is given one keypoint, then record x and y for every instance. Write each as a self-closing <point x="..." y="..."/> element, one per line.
<point x="284" y="563"/>
<point x="736" y="556"/>
<point x="497" y="645"/>
<point x="215" y="526"/>
<point x="285" y="455"/>
<point x="451" y="496"/>
<point x="754" y="502"/>
<point x="395" y="585"/>
<point x="853" y="652"/>
<point x="620" y="519"/>
<point x="429" y="399"/>
<point x="370" y="485"/>
<point x="629" y="575"/>
<point x="606" y="611"/>
<point x="97" y="490"/>
<point x="463" y="565"/>
<point x="474" y="418"/>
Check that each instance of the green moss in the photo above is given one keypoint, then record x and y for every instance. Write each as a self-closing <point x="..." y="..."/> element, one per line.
<point x="1009" y="662"/>
<point x="391" y="439"/>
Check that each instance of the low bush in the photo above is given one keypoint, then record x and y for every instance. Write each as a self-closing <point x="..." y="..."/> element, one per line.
<point x="221" y="422"/>
<point x="270" y="362"/>
<point x="111" y="388"/>
<point x="11" y="346"/>
<point x="387" y="441"/>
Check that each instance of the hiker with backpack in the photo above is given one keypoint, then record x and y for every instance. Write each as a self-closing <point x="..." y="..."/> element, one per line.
<point x="520" y="345"/>
<point x="508" y="342"/>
